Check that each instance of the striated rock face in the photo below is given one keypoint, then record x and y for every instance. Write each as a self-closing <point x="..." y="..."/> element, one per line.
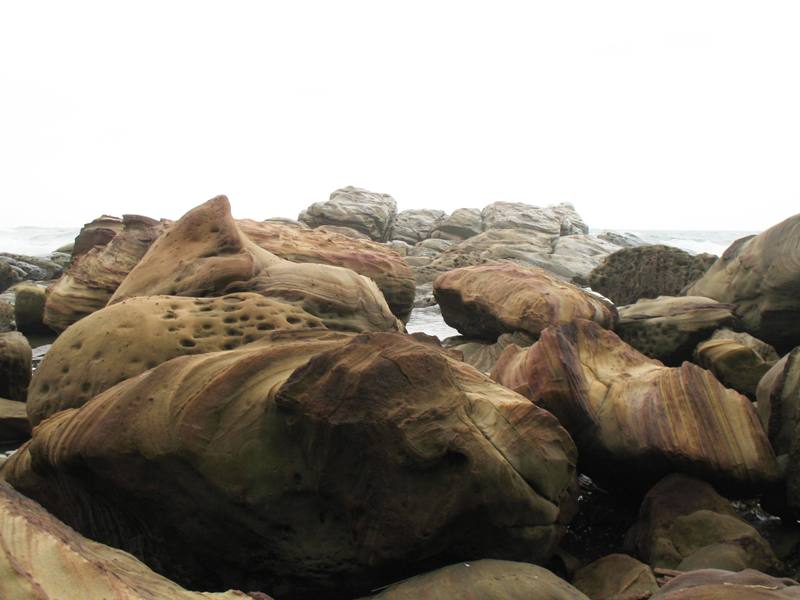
<point x="15" y="365"/>
<point x="94" y="276"/>
<point x="647" y="272"/>
<point x="484" y="580"/>
<point x="685" y="525"/>
<point x="368" y="212"/>
<point x="120" y="341"/>
<point x="669" y="328"/>
<point x="386" y="268"/>
<point x="205" y="253"/>
<point x="240" y="465"/>
<point x="778" y="396"/>
<point x="625" y="240"/>
<point x="97" y="233"/>
<point x="635" y="420"/>
<point x="718" y="584"/>
<point x="463" y="223"/>
<point x="574" y="257"/>
<point x="483" y="355"/>
<point x="761" y="276"/>
<point x="616" y="577"/>
<point x="738" y="360"/>
<point x="413" y="226"/>
<point x="487" y="301"/>
<point x="561" y="219"/>
<point x="43" y="559"/>
<point x="14" y="426"/>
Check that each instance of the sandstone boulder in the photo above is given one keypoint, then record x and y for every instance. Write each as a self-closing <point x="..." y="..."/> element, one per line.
<point x="516" y="215"/>
<point x="635" y="420"/>
<point x="368" y="212"/>
<point x="738" y="360"/>
<point x="416" y="225"/>
<point x="29" y="300"/>
<point x="778" y="395"/>
<point x="483" y="355"/>
<point x="97" y="233"/>
<point x="15" y="366"/>
<point x="487" y="301"/>
<point x="463" y="223"/>
<point x="718" y="584"/>
<point x="616" y="577"/>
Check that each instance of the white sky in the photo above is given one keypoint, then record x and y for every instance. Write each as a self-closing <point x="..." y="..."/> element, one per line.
<point x="644" y="114"/>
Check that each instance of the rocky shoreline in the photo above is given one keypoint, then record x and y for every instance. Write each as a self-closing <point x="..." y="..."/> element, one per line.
<point x="235" y="407"/>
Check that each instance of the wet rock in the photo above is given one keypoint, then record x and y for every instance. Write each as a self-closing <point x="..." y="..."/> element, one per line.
<point x="416" y="225"/>
<point x="616" y="577"/>
<point x="738" y="360"/>
<point x="15" y="366"/>
<point x="463" y="223"/>
<point x="368" y="212"/>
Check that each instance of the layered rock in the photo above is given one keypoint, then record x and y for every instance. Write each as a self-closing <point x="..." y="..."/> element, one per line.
<point x="15" y="366"/>
<point x="416" y="225"/>
<point x="120" y="341"/>
<point x="43" y="559"/>
<point x="94" y="276"/>
<point x="98" y="232"/>
<point x="368" y="212"/>
<point x="685" y="525"/>
<point x="463" y="223"/>
<point x="487" y="301"/>
<point x="32" y="268"/>
<point x="738" y="360"/>
<point x="778" y="395"/>
<point x="633" y="273"/>
<point x="718" y="584"/>
<point x="239" y="465"/>
<point x="484" y="580"/>
<point x="561" y="219"/>
<point x="205" y="253"/>
<point x="574" y="257"/>
<point x="760" y="275"/>
<point x="669" y="328"/>
<point x="635" y="420"/>
<point x="14" y="426"/>
<point x="385" y="267"/>
<point x="483" y="355"/>
<point x="616" y="577"/>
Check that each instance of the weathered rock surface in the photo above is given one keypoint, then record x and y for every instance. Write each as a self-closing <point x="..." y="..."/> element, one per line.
<point x="685" y="525"/>
<point x="463" y="223"/>
<point x="6" y="316"/>
<point x="635" y="420"/>
<point x="15" y="366"/>
<point x="97" y="233"/>
<point x="386" y="268"/>
<point x="94" y="276"/>
<point x="7" y="277"/>
<point x="43" y="559"/>
<point x="738" y="360"/>
<point x="761" y="276"/>
<point x="717" y="584"/>
<point x="616" y="577"/>
<point x="29" y="300"/>
<point x="122" y="340"/>
<point x="483" y="355"/>
<point x="574" y="257"/>
<point x="624" y="239"/>
<point x="487" y="301"/>
<point x="516" y="215"/>
<point x="416" y="225"/>
<point x="343" y="231"/>
<point x="778" y="396"/>
<point x="484" y="580"/>
<point x="14" y="426"/>
<point x="32" y="268"/>
<point x="669" y="328"/>
<point x="630" y="274"/>
<point x="239" y="465"/>
<point x="368" y="212"/>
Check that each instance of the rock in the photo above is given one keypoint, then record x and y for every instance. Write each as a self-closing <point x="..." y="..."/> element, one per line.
<point x="239" y="465"/>
<point x="14" y="426"/>
<point x="368" y="212"/>
<point x="462" y="224"/>
<point x="62" y="259"/>
<point x="206" y="253"/>
<point x="738" y="360"/>
<point x="624" y="239"/>
<point x="15" y="366"/>
<point x="123" y="340"/>
<point x="717" y="584"/>
<point x="635" y="420"/>
<point x="778" y="395"/>
<point x="285" y="221"/>
<point x="516" y="215"/>
<point x="630" y="274"/>
<point x="685" y="525"/>
<point x="760" y="275"/>
<point x="43" y="559"/>
<point x="29" y="308"/>
<point x="616" y="577"/>
<point x="6" y="316"/>
<point x="484" y="580"/>
<point x="386" y="268"/>
<point x="416" y="225"/>
<point x="400" y="247"/>
<point x="487" y="301"/>
<point x="97" y="233"/>
<point x="7" y="277"/>
<point x="574" y="257"/>
<point x="432" y="247"/>
<point x="344" y="231"/>
<point x="669" y="328"/>
<point x="65" y="249"/>
<point x="31" y="267"/>
<point x="482" y="355"/>
<point x="94" y="276"/>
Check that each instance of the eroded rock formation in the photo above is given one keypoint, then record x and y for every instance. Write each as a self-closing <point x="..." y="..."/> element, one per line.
<point x="368" y="212"/>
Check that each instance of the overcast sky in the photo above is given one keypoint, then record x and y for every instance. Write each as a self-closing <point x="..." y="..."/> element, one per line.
<point x="645" y="115"/>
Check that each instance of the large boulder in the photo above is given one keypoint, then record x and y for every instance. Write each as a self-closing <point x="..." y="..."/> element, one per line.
<point x="43" y="559"/>
<point x="122" y="340"/>
<point x="94" y="276"/>
<point x="647" y="272"/>
<point x="416" y="225"/>
<point x="616" y="577"/>
<point x="32" y="268"/>
<point x="239" y="465"/>
<point x="761" y="276"/>
<point x="737" y="359"/>
<point x="561" y="219"/>
<point x="487" y="301"/>
<point x="635" y="420"/>
<point x="720" y="584"/>
<point x="386" y="268"/>
<point x="368" y="212"/>
<point x="15" y="365"/>
<point x="685" y="525"/>
<point x="484" y="580"/>
<point x="98" y="232"/>
<point x="206" y="253"/>
<point x="574" y="257"/>
<point x="778" y="401"/>
<point x="463" y="223"/>
<point x="669" y="328"/>
<point x="29" y="300"/>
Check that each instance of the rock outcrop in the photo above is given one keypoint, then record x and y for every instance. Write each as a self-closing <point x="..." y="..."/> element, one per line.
<point x="15" y="366"/>
<point x="487" y="301"/>
<point x="738" y="360"/>
<point x="368" y="212"/>
<point x="635" y="420"/>
<point x="416" y="225"/>
<point x="463" y="223"/>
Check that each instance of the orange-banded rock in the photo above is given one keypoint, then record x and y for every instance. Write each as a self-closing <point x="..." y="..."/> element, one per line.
<point x="43" y="559"/>
<point x="761" y="276"/>
<point x="95" y="275"/>
<point x="635" y="420"/>
<point x="125" y="339"/>
<point x="484" y="580"/>
<point x="669" y="328"/>
<point x="384" y="266"/>
<point x="307" y="462"/>
<point x="738" y="360"/>
<point x="489" y="300"/>
<point x="205" y="253"/>
<point x="719" y="584"/>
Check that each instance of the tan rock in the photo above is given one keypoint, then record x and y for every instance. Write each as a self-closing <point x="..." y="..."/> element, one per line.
<point x="778" y="396"/>
<point x="15" y="365"/>
<point x="371" y="213"/>
<point x="483" y="355"/>
<point x="29" y="301"/>
<point x="738" y="360"/>
<point x="717" y="584"/>
<point x="14" y="426"/>
<point x="98" y="232"/>
<point x="616" y="577"/>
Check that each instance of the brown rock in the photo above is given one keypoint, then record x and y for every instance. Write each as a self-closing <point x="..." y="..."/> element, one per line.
<point x="738" y="360"/>
<point x="97" y="233"/>
<point x="14" y="426"/>
<point x="29" y="301"/>
<point x="717" y="584"/>
<point x="483" y="355"/>
<point x="616" y="577"/>
<point x="778" y="396"/>
<point x="15" y="365"/>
